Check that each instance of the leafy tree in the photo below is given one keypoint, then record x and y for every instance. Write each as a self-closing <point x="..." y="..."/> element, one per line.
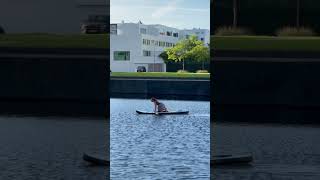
<point x="235" y="13"/>
<point x="164" y="56"/>
<point x="201" y="54"/>
<point x="298" y="14"/>
<point x="183" y="50"/>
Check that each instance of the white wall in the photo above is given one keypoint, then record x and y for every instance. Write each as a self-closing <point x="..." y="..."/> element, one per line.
<point x="125" y="42"/>
<point x="130" y="39"/>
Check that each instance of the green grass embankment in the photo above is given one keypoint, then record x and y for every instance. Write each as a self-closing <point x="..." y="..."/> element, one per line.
<point x="37" y="40"/>
<point x="265" y="43"/>
<point x="161" y="75"/>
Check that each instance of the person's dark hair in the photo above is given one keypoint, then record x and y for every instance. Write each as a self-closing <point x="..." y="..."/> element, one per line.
<point x="153" y="99"/>
<point x="2" y="30"/>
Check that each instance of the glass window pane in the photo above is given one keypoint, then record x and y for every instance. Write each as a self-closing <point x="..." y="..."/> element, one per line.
<point x="121" y="55"/>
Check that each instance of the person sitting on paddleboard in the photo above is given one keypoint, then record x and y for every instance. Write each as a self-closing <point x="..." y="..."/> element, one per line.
<point x="158" y="105"/>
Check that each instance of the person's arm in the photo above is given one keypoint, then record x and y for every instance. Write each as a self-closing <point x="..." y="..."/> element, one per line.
<point x="155" y="107"/>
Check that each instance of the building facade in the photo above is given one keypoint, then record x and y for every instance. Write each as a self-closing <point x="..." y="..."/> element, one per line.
<point x="50" y="16"/>
<point x="134" y="45"/>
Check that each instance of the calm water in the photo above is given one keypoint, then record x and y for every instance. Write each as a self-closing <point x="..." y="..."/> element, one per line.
<point x="159" y="147"/>
<point x="51" y="147"/>
<point x="280" y="152"/>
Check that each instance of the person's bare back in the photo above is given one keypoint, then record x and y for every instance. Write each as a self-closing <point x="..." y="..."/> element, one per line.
<point x="158" y="106"/>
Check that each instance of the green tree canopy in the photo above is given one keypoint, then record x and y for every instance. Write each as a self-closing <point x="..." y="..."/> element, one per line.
<point x="200" y="53"/>
<point x="184" y="50"/>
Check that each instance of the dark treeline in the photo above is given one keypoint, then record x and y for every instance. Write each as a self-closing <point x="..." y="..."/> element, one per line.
<point x="264" y="17"/>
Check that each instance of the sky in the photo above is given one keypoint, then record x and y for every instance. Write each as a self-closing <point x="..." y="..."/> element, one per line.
<point x="182" y="14"/>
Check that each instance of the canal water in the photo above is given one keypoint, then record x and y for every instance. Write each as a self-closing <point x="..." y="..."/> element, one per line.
<point x="51" y="147"/>
<point x="159" y="147"/>
<point x="280" y="152"/>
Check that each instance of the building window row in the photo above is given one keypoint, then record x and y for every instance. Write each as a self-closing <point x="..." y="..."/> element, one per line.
<point x="113" y="29"/>
<point x="146" y="53"/>
<point x="157" y="43"/>
<point x="170" y="33"/>
<point x="146" y="41"/>
<point x="121" y="55"/>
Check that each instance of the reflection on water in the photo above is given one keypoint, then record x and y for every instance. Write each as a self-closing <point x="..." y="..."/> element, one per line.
<point x="279" y="151"/>
<point x="159" y="147"/>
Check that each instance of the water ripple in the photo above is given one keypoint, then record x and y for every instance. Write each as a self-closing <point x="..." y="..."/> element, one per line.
<point x="163" y="147"/>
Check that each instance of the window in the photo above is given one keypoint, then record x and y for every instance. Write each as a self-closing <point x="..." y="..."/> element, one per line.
<point x="168" y="44"/>
<point x="143" y="31"/>
<point x="175" y="35"/>
<point x="146" y="53"/>
<point x="146" y="41"/>
<point x="121" y="55"/>
<point x="113" y="28"/>
<point x="202" y="39"/>
<point x="163" y="44"/>
<point x="169" y="33"/>
<point x="187" y="36"/>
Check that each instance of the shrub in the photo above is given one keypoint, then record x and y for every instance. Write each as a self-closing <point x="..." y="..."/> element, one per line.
<point x="293" y="31"/>
<point x="2" y="30"/>
<point x="202" y="71"/>
<point x="232" y="31"/>
<point x="182" y="71"/>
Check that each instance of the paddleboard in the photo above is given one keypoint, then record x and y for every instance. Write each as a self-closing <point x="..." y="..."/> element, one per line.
<point x="163" y="113"/>
<point x="94" y="159"/>
<point x="231" y="159"/>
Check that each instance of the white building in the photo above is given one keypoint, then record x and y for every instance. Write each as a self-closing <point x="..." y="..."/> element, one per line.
<point x="50" y="16"/>
<point x="136" y="44"/>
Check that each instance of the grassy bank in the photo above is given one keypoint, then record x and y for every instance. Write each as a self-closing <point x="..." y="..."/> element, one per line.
<point x="261" y="43"/>
<point x="55" y="40"/>
<point x="251" y="43"/>
<point x="161" y="75"/>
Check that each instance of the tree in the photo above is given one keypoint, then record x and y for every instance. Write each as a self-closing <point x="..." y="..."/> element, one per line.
<point x="164" y="56"/>
<point x="182" y="50"/>
<point x="298" y="14"/>
<point x="235" y="13"/>
<point x="201" y="54"/>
